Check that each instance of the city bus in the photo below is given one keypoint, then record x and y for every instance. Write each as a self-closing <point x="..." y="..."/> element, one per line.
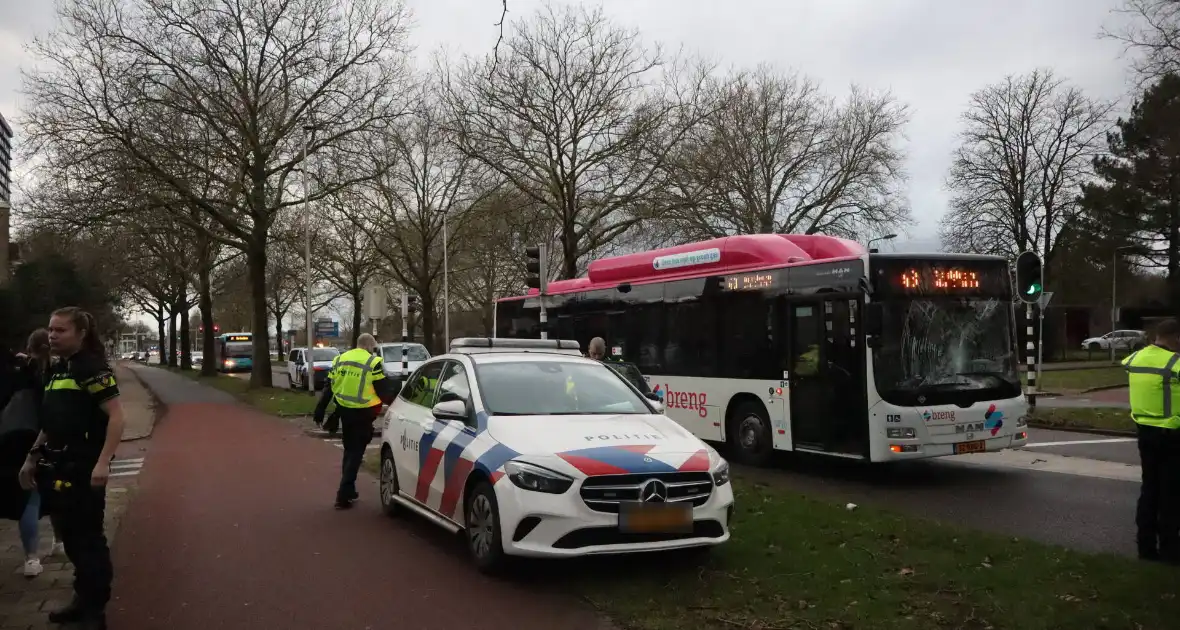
<point x="810" y="343"/>
<point x="234" y="352"/>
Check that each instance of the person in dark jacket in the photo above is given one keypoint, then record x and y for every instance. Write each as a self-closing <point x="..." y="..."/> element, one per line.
<point x="19" y="424"/>
<point x="70" y="463"/>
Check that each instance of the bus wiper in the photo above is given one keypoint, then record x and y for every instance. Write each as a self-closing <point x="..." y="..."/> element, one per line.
<point x="996" y="375"/>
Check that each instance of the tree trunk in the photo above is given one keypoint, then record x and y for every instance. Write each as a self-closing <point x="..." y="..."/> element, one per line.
<point x="186" y="341"/>
<point x="172" y="314"/>
<point x="260" y="376"/>
<point x="279" y="338"/>
<point x="205" y="304"/>
<point x="357" y="304"/>
<point x="161" y="344"/>
<point x="1174" y="258"/>
<point x="427" y="317"/>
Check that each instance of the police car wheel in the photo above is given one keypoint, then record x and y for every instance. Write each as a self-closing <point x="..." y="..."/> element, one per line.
<point x="749" y="435"/>
<point x="484" y="542"/>
<point x="389" y="485"/>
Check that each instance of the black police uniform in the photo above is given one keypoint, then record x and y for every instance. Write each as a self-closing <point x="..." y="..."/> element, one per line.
<point x="75" y="428"/>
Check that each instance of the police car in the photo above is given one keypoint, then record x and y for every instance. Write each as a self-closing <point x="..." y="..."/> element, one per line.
<point x="530" y="449"/>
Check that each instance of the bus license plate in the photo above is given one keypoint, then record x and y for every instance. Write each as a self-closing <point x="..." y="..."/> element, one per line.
<point x="655" y="518"/>
<point x="977" y="446"/>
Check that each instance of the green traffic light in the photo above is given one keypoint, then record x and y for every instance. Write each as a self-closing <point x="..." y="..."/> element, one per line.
<point x="1033" y="289"/>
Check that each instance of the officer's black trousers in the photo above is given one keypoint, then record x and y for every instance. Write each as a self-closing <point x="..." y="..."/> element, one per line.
<point x="1158" y="515"/>
<point x="357" y="427"/>
<point x="80" y="516"/>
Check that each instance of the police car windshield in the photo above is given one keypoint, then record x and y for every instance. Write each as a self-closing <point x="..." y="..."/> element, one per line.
<point x="544" y="388"/>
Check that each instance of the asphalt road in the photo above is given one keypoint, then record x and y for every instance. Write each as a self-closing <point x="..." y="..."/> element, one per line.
<point x="232" y="527"/>
<point x="1123" y="450"/>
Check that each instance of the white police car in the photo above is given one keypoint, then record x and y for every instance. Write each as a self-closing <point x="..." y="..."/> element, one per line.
<point x="531" y="449"/>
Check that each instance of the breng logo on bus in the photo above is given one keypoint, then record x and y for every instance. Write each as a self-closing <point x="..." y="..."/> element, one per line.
<point x="930" y="416"/>
<point x="694" y="401"/>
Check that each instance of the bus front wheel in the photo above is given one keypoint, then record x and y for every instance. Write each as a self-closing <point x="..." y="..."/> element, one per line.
<point x="749" y="435"/>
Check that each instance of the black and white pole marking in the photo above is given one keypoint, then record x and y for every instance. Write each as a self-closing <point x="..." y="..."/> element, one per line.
<point x="1030" y="346"/>
<point x="405" y="336"/>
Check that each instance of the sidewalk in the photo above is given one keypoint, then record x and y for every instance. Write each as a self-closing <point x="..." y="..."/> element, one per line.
<point x="235" y="509"/>
<point x="24" y="602"/>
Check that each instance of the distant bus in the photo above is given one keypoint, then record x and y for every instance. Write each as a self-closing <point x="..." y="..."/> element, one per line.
<point x="234" y="352"/>
<point x="798" y="342"/>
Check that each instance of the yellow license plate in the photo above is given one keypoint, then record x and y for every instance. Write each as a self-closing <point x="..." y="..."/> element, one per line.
<point x="651" y="518"/>
<point x="977" y="446"/>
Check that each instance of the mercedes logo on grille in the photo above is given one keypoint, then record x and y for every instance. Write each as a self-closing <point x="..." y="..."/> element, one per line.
<point x="654" y="491"/>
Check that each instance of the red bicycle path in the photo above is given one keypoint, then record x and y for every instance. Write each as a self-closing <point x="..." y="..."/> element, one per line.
<point x="232" y="527"/>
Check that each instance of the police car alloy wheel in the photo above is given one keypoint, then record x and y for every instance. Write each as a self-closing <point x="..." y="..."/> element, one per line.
<point x="389" y="485"/>
<point x="483" y="528"/>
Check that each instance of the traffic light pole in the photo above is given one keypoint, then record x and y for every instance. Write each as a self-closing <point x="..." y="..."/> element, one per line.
<point x="1031" y="371"/>
<point x="405" y="336"/>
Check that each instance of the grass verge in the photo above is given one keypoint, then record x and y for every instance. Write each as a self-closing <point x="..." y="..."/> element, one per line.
<point x="272" y="400"/>
<point x="1077" y="380"/>
<point x="795" y="562"/>
<point x="1102" y="419"/>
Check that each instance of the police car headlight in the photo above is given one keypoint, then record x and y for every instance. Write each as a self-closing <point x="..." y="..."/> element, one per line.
<point x="537" y="479"/>
<point x="721" y="473"/>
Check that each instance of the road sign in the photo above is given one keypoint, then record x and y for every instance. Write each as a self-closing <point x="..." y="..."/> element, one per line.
<point x="1044" y="300"/>
<point x="375" y="297"/>
<point x="327" y="328"/>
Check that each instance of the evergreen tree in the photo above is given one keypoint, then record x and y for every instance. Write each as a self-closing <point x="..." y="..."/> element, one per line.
<point x="1138" y="198"/>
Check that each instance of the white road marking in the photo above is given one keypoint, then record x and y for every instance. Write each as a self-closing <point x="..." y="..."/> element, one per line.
<point x="1072" y="442"/>
<point x="1048" y="462"/>
<point x="126" y="467"/>
<point x="340" y="444"/>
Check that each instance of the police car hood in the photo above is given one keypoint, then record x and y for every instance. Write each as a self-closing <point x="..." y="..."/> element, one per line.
<point x="601" y="444"/>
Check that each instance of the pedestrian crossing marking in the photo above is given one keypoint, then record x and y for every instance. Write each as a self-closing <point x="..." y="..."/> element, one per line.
<point x="338" y="443"/>
<point x="126" y="467"/>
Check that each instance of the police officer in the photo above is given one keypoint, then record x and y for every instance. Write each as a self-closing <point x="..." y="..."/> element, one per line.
<point x="82" y="424"/>
<point x="597" y="349"/>
<point x="358" y="385"/>
<point x="1154" y="380"/>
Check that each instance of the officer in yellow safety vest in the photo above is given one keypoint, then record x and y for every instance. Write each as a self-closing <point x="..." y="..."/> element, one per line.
<point x="1153" y="375"/>
<point x="358" y="386"/>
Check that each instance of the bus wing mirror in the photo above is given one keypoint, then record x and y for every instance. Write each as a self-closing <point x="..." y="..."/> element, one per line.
<point x="873" y="316"/>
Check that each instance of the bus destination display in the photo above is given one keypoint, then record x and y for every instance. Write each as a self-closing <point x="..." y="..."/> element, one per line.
<point x="949" y="279"/>
<point x="238" y="338"/>
<point x="749" y="282"/>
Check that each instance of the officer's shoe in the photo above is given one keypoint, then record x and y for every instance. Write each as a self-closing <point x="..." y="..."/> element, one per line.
<point x="72" y="612"/>
<point x="343" y="504"/>
<point x="94" y="621"/>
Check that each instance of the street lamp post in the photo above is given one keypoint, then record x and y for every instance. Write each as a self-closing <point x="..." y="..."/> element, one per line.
<point x="887" y="237"/>
<point x="308" y="366"/>
<point x="1114" y="284"/>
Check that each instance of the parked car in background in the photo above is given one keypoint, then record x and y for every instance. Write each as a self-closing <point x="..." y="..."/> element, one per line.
<point x="320" y="360"/>
<point x="391" y="356"/>
<point x="1118" y="339"/>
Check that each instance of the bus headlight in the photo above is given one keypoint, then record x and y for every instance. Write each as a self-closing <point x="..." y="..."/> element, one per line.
<point x="229" y="363"/>
<point x="901" y="433"/>
<point x="1022" y="421"/>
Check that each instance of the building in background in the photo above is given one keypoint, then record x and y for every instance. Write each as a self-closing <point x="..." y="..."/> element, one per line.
<point x="5" y="197"/>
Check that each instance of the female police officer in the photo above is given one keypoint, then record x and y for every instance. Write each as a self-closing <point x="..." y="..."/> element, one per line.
<point x="81" y="426"/>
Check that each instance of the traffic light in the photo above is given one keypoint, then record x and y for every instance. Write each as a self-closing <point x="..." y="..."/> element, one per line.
<point x="536" y="274"/>
<point x="1029" y="285"/>
<point x="413" y="304"/>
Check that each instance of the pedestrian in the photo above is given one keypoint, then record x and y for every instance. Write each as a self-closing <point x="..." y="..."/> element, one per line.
<point x="597" y="349"/>
<point x="69" y="464"/>
<point x="19" y="425"/>
<point x="358" y="386"/>
<point x="1153" y="376"/>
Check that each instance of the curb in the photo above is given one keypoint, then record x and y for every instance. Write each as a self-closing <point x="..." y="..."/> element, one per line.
<point x="157" y="409"/>
<point x="1073" y="429"/>
<point x="1102" y="388"/>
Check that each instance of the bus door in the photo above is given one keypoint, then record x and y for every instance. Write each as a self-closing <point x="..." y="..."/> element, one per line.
<point x="826" y="376"/>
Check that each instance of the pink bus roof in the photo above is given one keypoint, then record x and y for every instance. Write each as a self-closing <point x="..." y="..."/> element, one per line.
<point x="719" y="256"/>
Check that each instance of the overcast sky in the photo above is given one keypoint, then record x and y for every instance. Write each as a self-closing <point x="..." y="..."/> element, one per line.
<point x="930" y="53"/>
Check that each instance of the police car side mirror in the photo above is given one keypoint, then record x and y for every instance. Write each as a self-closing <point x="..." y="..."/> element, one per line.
<point x="451" y="410"/>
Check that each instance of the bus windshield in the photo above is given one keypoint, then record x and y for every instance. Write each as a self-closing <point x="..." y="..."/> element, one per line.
<point x="942" y="350"/>
<point x="239" y="349"/>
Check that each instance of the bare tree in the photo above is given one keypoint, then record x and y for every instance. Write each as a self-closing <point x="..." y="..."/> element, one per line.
<point x="236" y="81"/>
<point x="775" y="155"/>
<point x="346" y="260"/>
<point x="1025" y="149"/>
<point x="579" y="115"/>
<point x="426" y="179"/>
<point x="1150" y="29"/>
